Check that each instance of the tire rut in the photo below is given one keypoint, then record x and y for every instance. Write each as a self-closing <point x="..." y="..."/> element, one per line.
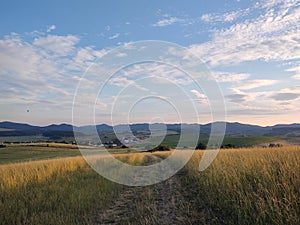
<point x="162" y="203"/>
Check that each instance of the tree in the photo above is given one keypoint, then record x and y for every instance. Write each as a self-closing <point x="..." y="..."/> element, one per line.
<point x="201" y="146"/>
<point x="160" y="147"/>
<point x="228" y="146"/>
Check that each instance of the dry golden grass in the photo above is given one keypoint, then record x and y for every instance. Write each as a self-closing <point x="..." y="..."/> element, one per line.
<point x="20" y="174"/>
<point x="242" y="186"/>
<point x="58" y="191"/>
<point x="248" y="186"/>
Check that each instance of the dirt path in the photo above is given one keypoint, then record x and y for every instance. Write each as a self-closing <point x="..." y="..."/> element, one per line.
<point x="162" y="203"/>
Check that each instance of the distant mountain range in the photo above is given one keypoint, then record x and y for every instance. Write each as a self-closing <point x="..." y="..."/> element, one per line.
<point x="66" y="130"/>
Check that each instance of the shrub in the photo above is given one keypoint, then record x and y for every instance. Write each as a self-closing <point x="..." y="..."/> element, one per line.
<point x="228" y="146"/>
<point x="201" y="146"/>
<point x="160" y="148"/>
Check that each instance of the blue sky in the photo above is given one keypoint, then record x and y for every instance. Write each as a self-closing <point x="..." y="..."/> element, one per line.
<point x="252" y="49"/>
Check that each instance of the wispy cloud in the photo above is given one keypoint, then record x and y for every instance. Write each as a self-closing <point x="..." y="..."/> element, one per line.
<point x="296" y="70"/>
<point x="59" y="45"/>
<point x="251" y="84"/>
<point x="297" y="77"/>
<point x="121" y="54"/>
<point x="201" y="98"/>
<point x="39" y="71"/>
<point x="167" y="22"/>
<point x="271" y="36"/>
<point x="160" y="73"/>
<point x="230" y="77"/>
<point x="51" y="28"/>
<point x="225" y="17"/>
<point x="124" y="82"/>
<point x="114" y="36"/>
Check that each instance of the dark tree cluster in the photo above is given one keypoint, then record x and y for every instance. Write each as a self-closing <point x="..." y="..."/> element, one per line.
<point x="228" y="146"/>
<point x="201" y="146"/>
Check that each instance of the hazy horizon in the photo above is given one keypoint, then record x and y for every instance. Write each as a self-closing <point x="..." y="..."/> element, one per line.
<point x="43" y="125"/>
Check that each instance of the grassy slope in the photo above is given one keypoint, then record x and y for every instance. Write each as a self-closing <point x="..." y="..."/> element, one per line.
<point x="13" y="153"/>
<point x="21" y="153"/>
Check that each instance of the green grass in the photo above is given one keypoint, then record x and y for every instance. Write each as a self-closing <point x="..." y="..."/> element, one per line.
<point x="13" y="153"/>
<point x="249" y="141"/>
<point x="172" y="140"/>
<point x="21" y="153"/>
<point x="23" y="138"/>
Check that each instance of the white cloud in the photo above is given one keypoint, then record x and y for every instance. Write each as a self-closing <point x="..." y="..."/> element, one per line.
<point x="201" y="98"/>
<point x="124" y="82"/>
<point x="273" y="35"/>
<point x="167" y="21"/>
<point x="230" y="77"/>
<point x="83" y="58"/>
<point x="44" y="71"/>
<point x="294" y="89"/>
<point x="51" y="28"/>
<point x="295" y="70"/>
<point x="297" y="77"/>
<point x="225" y="17"/>
<point x="198" y="94"/>
<point x="114" y="36"/>
<point x="251" y="84"/>
<point x="59" y="45"/>
<point x="160" y="73"/>
<point x="121" y="54"/>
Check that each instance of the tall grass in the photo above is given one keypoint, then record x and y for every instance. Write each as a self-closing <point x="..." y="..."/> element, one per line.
<point x="247" y="186"/>
<point x="242" y="186"/>
<point x="60" y="191"/>
<point x="22" y="174"/>
<point x="57" y="191"/>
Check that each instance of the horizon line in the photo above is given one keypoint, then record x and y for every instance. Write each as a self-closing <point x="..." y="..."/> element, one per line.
<point x="65" y="123"/>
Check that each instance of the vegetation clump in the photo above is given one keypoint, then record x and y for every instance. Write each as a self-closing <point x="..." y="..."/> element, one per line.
<point x="229" y="146"/>
<point x="201" y="146"/>
<point x="160" y="147"/>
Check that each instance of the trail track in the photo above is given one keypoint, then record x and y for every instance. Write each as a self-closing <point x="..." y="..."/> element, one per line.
<point x="162" y="203"/>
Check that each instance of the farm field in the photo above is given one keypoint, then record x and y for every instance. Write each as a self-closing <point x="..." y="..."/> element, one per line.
<point x="30" y="152"/>
<point x="172" y="140"/>
<point x="242" y="186"/>
<point x="13" y="153"/>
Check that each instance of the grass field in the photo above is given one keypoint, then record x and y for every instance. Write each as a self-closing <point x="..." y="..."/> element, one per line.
<point x="248" y="186"/>
<point x="172" y="140"/>
<point x="242" y="186"/>
<point x="13" y="153"/>
<point x="21" y="153"/>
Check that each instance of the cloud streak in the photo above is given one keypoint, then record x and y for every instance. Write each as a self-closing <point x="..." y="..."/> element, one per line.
<point x="270" y="37"/>
<point x="114" y="36"/>
<point x="251" y="84"/>
<point x="167" y="22"/>
<point x="51" y="28"/>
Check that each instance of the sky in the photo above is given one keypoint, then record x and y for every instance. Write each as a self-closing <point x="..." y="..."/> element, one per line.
<point x="251" y="48"/>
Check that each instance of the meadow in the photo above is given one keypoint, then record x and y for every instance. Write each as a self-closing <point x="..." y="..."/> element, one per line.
<point x="242" y="186"/>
